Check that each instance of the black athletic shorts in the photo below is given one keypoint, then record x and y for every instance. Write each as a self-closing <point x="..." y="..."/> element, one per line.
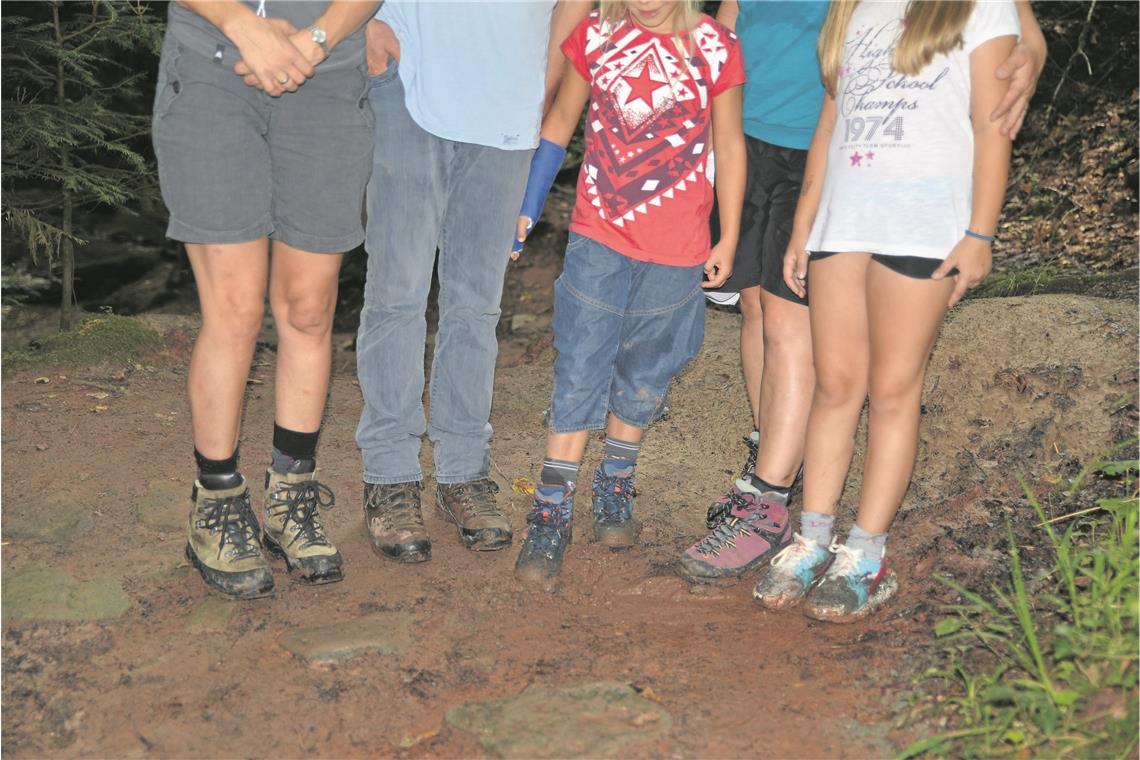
<point x="770" y="194"/>
<point x="911" y="266"/>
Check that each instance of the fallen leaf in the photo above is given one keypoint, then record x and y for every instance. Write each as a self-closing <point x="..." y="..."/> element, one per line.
<point x="42" y="380"/>
<point x="523" y="486"/>
<point x="410" y="741"/>
<point x="100" y="395"/>
<point x="649" y="694"/>
<point x="99" y="408"/>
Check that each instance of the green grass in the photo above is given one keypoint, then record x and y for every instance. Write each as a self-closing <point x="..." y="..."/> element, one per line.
<point x="1061" y="678"/>
<point x="103" y="339"/>
<point x="1047" y="279"/>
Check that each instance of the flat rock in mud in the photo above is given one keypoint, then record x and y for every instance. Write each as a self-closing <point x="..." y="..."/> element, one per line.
<point x="164" y="505"/>
<point x="601" y="719"/>
<point x="40" y="592"/>
<point x="211" y="616"/>
<point x="53" y="518"/>
<point x="383" y="633"/>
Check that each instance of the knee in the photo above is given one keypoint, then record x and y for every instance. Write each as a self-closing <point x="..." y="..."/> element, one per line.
<point x="895" y="395"/>
<point x="840" y="387"/>
<point x="785" y="337"/>
<point x="309" y="314"/>
<point x="237" y="319"/>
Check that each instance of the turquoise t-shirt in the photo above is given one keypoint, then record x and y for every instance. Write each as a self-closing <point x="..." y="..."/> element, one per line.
<point x="783" y="94"/>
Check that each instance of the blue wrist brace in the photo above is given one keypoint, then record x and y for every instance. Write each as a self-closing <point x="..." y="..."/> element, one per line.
<point x="544" y="168"/>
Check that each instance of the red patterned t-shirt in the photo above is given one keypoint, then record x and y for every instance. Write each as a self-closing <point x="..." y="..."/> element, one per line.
<point x="646" y="185"/>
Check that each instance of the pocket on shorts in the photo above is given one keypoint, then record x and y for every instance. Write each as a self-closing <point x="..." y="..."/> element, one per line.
<point x="385" y="76"/>
<point x="169" y="86"/>
<point x="363" y="105"/>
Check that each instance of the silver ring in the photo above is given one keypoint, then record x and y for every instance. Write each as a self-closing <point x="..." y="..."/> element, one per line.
<point x="283" y="79"/>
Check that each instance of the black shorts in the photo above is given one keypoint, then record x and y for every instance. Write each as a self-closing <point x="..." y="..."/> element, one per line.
<point x="911" y="266"/>
<point x="770" y="194"/>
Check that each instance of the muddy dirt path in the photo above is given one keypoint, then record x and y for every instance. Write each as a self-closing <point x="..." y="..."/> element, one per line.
<point x="112" y="647"/>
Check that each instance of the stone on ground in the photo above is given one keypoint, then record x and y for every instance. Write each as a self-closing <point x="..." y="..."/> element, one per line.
<point x="165" y="504"/>
<point x="53" y="517"/>
<point x="383" y="633"/>
<point x="40" y="592"/>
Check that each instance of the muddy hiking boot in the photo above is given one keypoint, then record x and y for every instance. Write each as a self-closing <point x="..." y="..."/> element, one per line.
<point x="224" y="543"/>
<point x="614" y="525"/>
<point x="756" y="528"/>
<point x="791" y="573"/>
<point x="852" y="588"/>
<point x="395" y="523"/>
<point x="547" y="536"/>
<point x="472" y="507"/>
<point x="293" y="530"/>
<point x="718" y="510"/>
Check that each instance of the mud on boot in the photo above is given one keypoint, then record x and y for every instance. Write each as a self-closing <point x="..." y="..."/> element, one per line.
<point x="792" y="572"/>
<point x="612" y="506"/>
<point x="395" y="522"/>
<point x="548" y="534"/>
<point x="853" y="587"/>
<point x="472" y="507"/>
<point x="293" y="530"/>
<point x="224" y="543"/>
<point x="755" y="530"/>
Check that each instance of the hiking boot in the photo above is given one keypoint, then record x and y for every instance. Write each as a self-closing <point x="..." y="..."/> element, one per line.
<point x="719" y="509"/>
<point x="223" y="542"/>
<point x="792" y="572"/>
<point x="755" y="530"/>
<point x="394" y="521"/>
<point x="548" y="534"/>
<point x="293" y="530"/>
<point x="472" y="507"/>
<point x="614" y="525"/>
<point x="852" y="588"/>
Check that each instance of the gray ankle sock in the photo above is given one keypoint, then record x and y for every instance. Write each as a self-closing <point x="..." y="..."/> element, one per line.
<point x="559" y="472"/>
<point x="816" y="526"/>
<point x="871" y="545"/>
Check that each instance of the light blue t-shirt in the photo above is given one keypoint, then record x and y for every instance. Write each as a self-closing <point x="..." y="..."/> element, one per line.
<point x="783" y="94"/>
<point x="474" y="72"/>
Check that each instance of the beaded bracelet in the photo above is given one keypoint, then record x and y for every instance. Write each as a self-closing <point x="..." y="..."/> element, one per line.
<point x="980" y="236"/>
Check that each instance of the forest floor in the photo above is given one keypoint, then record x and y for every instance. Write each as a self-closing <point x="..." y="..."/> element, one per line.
<point x="113" y="647"/>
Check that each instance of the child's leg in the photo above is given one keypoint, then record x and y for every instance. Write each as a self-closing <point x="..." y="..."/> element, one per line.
<point x="904" y="314"/>
<point x="840" y="345"/>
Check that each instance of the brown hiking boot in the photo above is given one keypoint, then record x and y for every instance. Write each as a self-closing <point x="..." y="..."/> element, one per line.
<point x="223" y="543"/>
<point x="293" y="528"/>
<point x="395" y="523"/>
<point x="472" y="507"/>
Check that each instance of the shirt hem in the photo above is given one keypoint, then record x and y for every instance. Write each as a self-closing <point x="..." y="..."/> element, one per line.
<point x="862" y="246"/>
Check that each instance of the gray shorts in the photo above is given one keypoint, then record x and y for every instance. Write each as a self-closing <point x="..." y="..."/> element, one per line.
<point x="236" y="165"/>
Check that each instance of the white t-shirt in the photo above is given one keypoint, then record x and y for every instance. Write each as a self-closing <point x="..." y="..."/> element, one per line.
<point x="474" y="72"/>
<point x="900" y="161"/>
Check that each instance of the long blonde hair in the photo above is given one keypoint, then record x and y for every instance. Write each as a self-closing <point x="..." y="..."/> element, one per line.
<point x="930" y="27"/>
<point x="614" y="12"/>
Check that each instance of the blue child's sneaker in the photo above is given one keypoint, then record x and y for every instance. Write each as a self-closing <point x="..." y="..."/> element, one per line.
<point x="853" y="587"/>
<point x="791" y="573"/>
<point x="548" y="535"/>
<point x="614" y="525"/>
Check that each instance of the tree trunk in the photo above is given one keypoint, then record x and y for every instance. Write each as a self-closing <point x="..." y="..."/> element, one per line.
<point x="67" y="244"/>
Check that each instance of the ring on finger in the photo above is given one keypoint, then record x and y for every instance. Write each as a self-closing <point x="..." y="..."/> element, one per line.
<point x="283" y="79"/>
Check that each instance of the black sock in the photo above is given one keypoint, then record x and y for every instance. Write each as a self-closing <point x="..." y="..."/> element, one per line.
<point x="619" y="455"/>
<point x="559" y="472"/>
<point x="294" y="452"/>
<point x="218" y="474"/>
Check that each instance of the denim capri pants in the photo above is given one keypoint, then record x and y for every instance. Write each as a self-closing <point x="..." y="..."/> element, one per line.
<point x="623" y="330"/>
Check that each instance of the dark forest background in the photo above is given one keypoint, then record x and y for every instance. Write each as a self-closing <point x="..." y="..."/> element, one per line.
<point x="79" y="191"/>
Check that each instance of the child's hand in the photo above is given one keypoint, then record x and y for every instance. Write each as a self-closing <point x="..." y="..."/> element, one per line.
<point x="522" y="230"/>
<point x="795" y="266"/>
<point x="973" y="261"/>
<point x="719" y="266"/>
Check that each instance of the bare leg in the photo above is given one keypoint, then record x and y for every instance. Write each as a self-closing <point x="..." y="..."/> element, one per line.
<point x="568" y="447"/>
<point x="786" y="390"/>
<point x="302" y="294"/>
<point x="231" y="280"/>
<point x="904" y="316"/>
<point x="840" y="344"/>
<point x="623" y="431"/>
<point x="752" y="348"/>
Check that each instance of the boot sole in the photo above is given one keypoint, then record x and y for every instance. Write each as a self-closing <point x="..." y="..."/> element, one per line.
<point x="404" y="558"/>
<point x="217" y="587"/>
<point x="273" y="549"/>
<point x="474" y="542"/>
<point x="731" y="577"/>
<point x="883" y="594"/>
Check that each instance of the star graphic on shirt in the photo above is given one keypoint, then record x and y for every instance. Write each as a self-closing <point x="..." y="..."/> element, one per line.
<point x="856" y="158"/>
<point x="642" y="87"/>
<point x="870" y="155"/>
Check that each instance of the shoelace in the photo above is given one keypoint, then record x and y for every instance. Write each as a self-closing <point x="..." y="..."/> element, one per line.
<point x="728" y="531"/>
<point x="400" y="510"/>
<point x="721" y="509"/>
<point x="799" y="549"/>
<point x="233" y="516"/>
<point x="753" y="453"/>
<point x="471" y="496"/>
<point x="546" y="524"/>
<point x="616" y="494"/>
<point x="300" y="503"/>
<point x="846" y="558"/>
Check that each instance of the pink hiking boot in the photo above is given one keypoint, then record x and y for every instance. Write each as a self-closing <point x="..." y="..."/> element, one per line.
<point x="755" y="530"/>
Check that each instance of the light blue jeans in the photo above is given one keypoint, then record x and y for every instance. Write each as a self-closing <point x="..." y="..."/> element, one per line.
<point x="427" y="193"/>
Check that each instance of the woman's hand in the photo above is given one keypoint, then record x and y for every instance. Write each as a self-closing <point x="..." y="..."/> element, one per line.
<point x="270" y="61"/>
<point x="973" y="260"/>
<point x="718" y="268"/>
<point x="381" y="44"/>
<point x="795" y="265"/>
